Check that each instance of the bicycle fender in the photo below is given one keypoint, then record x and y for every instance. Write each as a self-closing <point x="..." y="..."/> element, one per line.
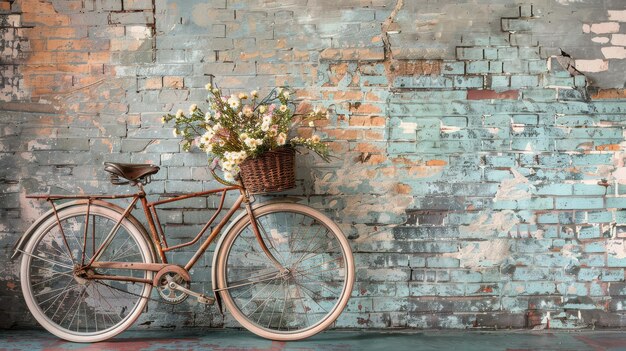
<point x="19" y="245"/>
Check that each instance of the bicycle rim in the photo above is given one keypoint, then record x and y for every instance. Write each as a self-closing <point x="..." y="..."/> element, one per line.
<point x="293" y="305"/>
<point x="66" y="304"/>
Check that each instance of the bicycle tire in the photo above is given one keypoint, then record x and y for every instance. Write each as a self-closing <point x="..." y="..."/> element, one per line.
<point x="47" y="266"/>
<point x="293" y="232"/>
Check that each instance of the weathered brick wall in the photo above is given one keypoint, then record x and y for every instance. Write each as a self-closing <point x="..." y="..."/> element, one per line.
<point x="480" y="176"/>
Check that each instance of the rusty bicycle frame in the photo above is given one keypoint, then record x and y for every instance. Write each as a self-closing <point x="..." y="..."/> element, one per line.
<point x="159" y="241"/>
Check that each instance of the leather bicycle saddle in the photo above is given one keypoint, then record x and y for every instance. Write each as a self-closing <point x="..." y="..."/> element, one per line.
<point x="131" y="172"/>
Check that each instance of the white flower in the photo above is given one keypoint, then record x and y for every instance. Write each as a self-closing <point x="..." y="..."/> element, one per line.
<point x="311" y="124"/>
<point x="243" y="96"/>
<point x="179" y="114"/>
<point x="175" y="132"/>
<point x="208" y="86"/>
<point x="250" y="143"/>
<point x="253" y="143"/>
<point x="315" y="139"/>
<point x="207" y="117"/>
<point x="234" y="102"/>
<point x="247" y="110"/>
<point x="215" y="90"/>
<point x="163" y="120"/>
<point x="193" y="108"/>
<point x="286" y="94"/>
<point x="281" y="139"/>
<point x="254" y="93"/>
<point x="208" y="148"/>
<point x="217" y="127"/>
<point x="228" y="166"/>
<point x="283" y="108"/>
<point x="218" y="115"/>
<point x="262" y="108"/>
<point x="243" y="136"/>
<point x="206" y="137"/>
<point x="228" y="176"/>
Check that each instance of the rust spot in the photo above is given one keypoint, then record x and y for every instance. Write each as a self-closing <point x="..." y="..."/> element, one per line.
<point x="609" y="94"/>
<point x="608" y="147"/>
<point x="436" y="163"/>
<point x="11" y="285"/>
<point x="486" y="289"/>
<point x="480" y="94"/>
<point x="401" y="188"/>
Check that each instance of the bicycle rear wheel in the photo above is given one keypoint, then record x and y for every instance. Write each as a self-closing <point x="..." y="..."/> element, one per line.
<point x="60" y="297"/>
<point x="300" y="301"/>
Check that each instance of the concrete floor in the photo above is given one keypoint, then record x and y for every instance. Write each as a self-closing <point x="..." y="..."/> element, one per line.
<point x="231" y="340"/>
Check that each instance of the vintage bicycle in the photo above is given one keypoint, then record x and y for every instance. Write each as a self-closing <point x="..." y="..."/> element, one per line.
<point x="285" y="271"/>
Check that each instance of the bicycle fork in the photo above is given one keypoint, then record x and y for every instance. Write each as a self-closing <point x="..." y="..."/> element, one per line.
<point x="259" y="237"/>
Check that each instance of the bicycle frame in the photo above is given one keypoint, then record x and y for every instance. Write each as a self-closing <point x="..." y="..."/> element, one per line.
<point x="158" y="237"/>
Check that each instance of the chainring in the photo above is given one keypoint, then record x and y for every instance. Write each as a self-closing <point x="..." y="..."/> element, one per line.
<point x="169" y="295"/>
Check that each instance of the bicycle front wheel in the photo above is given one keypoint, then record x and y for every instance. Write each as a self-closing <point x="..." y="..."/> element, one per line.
<point x="60" y="295"/>
<point x="304" y="298"/>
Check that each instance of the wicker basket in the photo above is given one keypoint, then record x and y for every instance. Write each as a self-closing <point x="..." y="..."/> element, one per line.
<point x="270" y="172"/>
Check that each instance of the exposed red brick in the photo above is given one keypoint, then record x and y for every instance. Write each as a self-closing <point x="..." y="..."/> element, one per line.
<point x="402" y="188"/>
<point x="173" y="82"/>
<point x="415" y="67"/>
<point x="367" y="121"/>
<point x="486" y="94"/>
<point x="608" y="147"/>
<point x="436" y="163"/>
<point x="609" y="94"/>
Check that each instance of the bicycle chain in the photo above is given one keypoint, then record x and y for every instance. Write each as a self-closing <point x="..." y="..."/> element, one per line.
<point x="128" y="292"/>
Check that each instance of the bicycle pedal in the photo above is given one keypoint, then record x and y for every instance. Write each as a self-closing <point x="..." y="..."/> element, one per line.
<point x="206" y="300"/>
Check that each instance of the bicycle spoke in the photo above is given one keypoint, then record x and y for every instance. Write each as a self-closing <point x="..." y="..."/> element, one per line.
<point x="54" y="276"/>
<point x="68" y="305"/>
<point x="60" y="264"/>
<point x="317" y="303"/>
<point x="309" y="295"/>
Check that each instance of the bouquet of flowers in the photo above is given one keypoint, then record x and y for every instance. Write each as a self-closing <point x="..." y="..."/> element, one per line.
<point x="242" y="126"/>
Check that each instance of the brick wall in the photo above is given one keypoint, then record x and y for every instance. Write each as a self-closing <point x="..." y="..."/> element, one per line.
<point x="480" y="175"/>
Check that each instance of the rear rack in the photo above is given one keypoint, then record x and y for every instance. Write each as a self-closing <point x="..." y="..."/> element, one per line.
<point x="50" y="197"/>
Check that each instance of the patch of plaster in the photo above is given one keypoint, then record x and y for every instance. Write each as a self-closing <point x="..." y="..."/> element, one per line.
<point x="517" y="188"/>
<point x="483" y="254"/>
<point x="567" y="2"/>
<point x="502" y="221"/>
<point x="616" y="248"/>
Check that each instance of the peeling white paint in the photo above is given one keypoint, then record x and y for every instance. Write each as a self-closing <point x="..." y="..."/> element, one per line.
<point x="615" y="247"/>
<point x="408" y="127"/>
<point x="605" y="27"/>
<point x="618" y="39"/>
<point x="614" y="52"/>
<point x="484" y="253"/>
<point x="517" y="128"/>
<point x="514" y="189"/>
<point x="617" y="15"/>
<point x="598" y="65"/>
<point x="600" y="40"/>
<point x="449" y="129"/>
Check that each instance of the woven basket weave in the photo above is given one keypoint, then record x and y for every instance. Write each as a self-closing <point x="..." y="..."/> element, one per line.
<point x="270" y="172"/>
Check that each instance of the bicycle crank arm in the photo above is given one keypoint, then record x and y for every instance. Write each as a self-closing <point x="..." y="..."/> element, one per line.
<point x="207" y="300"/>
